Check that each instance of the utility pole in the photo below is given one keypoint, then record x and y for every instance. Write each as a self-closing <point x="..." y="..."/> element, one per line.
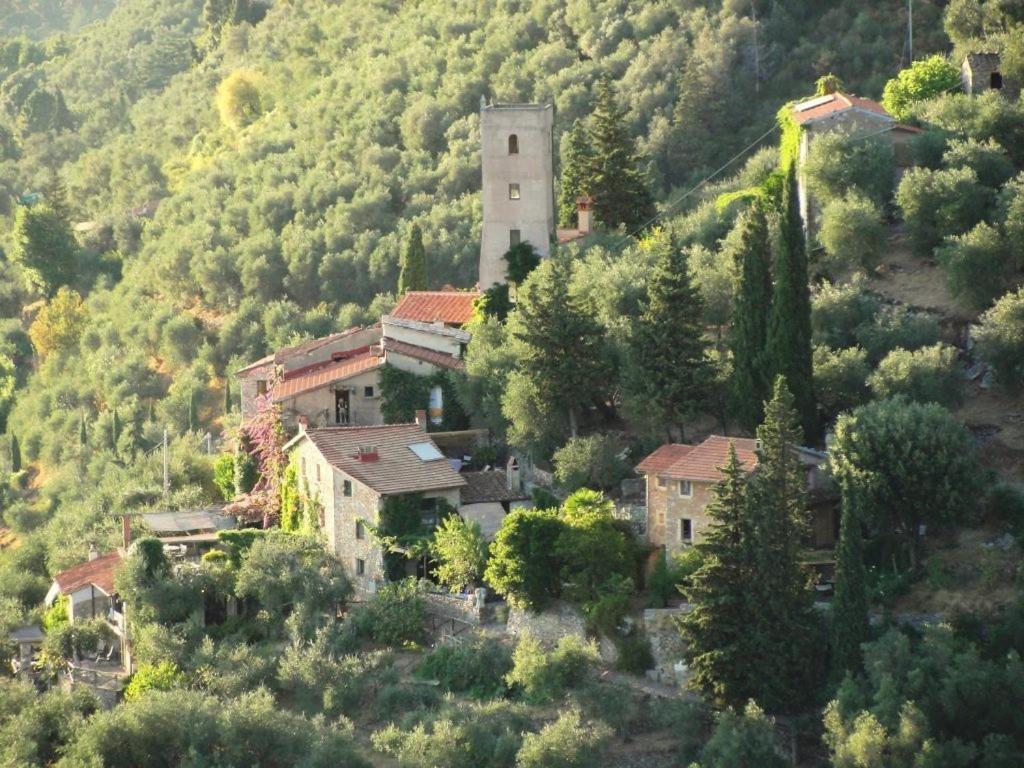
<point x="757" y="49"/>
<point x="910" y="28"/>
<point x="167" y="466"/>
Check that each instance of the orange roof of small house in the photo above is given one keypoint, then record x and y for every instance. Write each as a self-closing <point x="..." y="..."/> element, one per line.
<point x="449" y="307"/>
<point x="316" y="376"/>
<point x="99" y="572"/>
<point x="432" y="356"/>
<point x="810" y="110"/>
<point x="699" y="462"/>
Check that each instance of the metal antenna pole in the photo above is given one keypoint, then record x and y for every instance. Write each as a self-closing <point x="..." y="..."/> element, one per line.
<point x="167" y="466"/>
<point x="910" y="29"/>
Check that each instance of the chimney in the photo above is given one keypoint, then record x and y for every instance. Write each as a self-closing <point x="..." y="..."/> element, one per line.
<point x="303" y="422"/>
<point x="368" y="453"/>
<point x="583" y="204"/>
<point x="93" y="552"/>
<point x="126" y="530"/>
<point x="421" y="418"/>
<point x="513" y="475"/>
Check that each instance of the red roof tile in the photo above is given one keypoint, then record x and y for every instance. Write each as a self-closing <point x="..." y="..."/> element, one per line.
<point x="316" y="377"/>
<point x="99" y="572"/>
<point x="449" y="307"/>
<point x="832" y="104"/>
<point x="700" y="462"/>
<point x="440" y="359"/>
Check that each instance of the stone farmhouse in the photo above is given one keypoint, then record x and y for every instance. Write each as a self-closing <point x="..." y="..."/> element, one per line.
<point x="981" y="72"/>
<point x="335" y="379"/>
<point x="679" y="479"/>
<point x="858" y="117"/>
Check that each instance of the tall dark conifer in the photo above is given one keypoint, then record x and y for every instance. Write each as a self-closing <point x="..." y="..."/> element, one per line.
<point x="671" y="367"/>
<point x="850" y="604"/>
<point x="576" y="160"/>
<point x="751" y="312"/>
<point x="413" y="275"/>
<point x="617" y="181"/>
<point x="719" y="650"/>
<point x="15" y="454"/>
<point x="784" y="625"/>
<point x="789" y="334"/>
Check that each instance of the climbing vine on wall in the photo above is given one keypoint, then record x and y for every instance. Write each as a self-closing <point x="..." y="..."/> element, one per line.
<point x="403" y="393"/>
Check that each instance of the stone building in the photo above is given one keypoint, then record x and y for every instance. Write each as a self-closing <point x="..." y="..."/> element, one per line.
<point x="679" y="480"/>
<point x="858" y="117"/>
<point x="518" y="183"/>
<point x="980" y="72"/>
<point x="354" y="470"/>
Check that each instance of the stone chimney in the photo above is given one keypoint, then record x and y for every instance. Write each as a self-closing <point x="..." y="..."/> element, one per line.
<point x="368" y="453"/>
<point x="583" y="204"/>
<point x="303" y="422"/>
<point x="421" y="419"/>
<point x="93" y="552"/>
<point x="513" y="475"/>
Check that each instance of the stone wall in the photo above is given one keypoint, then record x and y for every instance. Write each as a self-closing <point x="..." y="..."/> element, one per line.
<point x="666" y="644"/>
<point x="547" y="626"/>
<point x="471" y="609"/>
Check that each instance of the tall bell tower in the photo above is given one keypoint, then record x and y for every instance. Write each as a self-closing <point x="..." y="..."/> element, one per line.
<point x="518" y="183"/>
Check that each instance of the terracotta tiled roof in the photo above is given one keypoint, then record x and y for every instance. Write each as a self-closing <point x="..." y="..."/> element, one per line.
<point x="319" y="376"/>
<point x="700" y="462"/>
<point x="396" y="469"/>
<point x="297" y="350"/>
<point x="832" y="104"/>
<point x="432" y="356"/>
<point x="491" y="485"/>
<point x="449" y="307"/>
<point x="99" y="572"/>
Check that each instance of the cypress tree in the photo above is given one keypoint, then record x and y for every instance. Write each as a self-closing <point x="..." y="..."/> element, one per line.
<point x="193" y="414"/>
<point x="671" y="365"/>
<point x="83" y="437"/>
<point x="783" y="624"/>
<point x="227" y="395"/>
<point x="789" y="334"/>
<point x="850" y="604"/>
<point x="15" y="454"/>
<point x="748" y="331"/>
<point x="717" y="629"/>
<point x="616" y="179"/>
<point x="413" y="275"/>
<point x="115" y="429"/>
<point x="577" y="158"/>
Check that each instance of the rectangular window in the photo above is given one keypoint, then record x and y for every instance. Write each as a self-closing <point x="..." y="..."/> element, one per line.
<point x="685" y="489"/>
<point x="360" y="566"/>
<point x="513" y="237"/>
<point x="513" y="191"/>
<point x="261" y="387"/>
<point x="660" y="482"/>
<point x="302" y="467"/>
<point x="318" y="472"/>
<point x="360" y="530"/>
<point x="367" y="391"/>
<point x="686" y="529"/>
<point x="346" y="487"/>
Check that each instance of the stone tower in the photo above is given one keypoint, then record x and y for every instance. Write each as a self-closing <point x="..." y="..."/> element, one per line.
<point x="518" y="183"/>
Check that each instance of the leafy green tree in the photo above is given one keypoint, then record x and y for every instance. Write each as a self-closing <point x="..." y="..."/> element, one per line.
<point x="849" y="626"/>
<point x="911" y="464"/>
<point x="545" y="675"/>
<point x="591" y="461"/>
<point x="153" y="677"/>
<point x="523" y="565"/>
<point x="1000" y="338"/>
<point x="44" y="246"/>
<point x="224" y="476"/>
<point x="568" y="742"/>
<point x="838" y="310"/>
<point x="977" y="265"/>
<point x="841" y="163"/>
<point x="748" y="331"/>
<point x="615" y="178"/>
<point x="743" y="740"/>
<point x="986" y="158"/>
<point x="15" y="449"/>
<point x="852" y="232"/>
<point x="719" y="643"/>
<point x="59" y="324"/>
<point x="240" y="99"/>
<point x="413" y="275"/>
<point x="921" y="81"/>
<point x="840" y="379"/>
<point x="938" y="204"/>
<point x="927" y="375"/>
<point x="522" y="258"/>
<point x="592" y="550"/>
<point x="558" y="349"/>
<point x="789" y="332"/>
<point x="1011" y="201"/>
<point x="576" y="160"/>
<point x="671" y="365"/>
<point x="461" y="550"/>
<point x="8" y="381"/>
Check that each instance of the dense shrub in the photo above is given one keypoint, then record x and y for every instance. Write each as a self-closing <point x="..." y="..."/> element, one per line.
<point x="634" y="652"/>
<point x="153" y="677"/>
<point x="404" y="698"/>
<point x="592" y="461"/>
<point x="744" y="738"/>
<point x="838" y="311"/>
<point x="986" y="158"/>
<point x="927" y="375"/>
<point x="977" y="265"/>
<point x="523" y="564"/>
<point x="840" y="378"/>
<point x="923" y="79"/>
<point x="478" y="667"/>
<point x="568" y="742"/>
<point x="841" y="163"/>
<point x="544" y="676"/>
<point x="897" y="328"/>
<point x="852" y="232"/>
<point x="1000" y="337"/>
<point x="939" y="204"/>
<point x="394" y="616"/>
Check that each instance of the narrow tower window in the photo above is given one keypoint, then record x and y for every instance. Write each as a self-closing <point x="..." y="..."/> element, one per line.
<point x="513" y="191"/>
<point x="513" y="144"/>
<point x="513" y="237"/>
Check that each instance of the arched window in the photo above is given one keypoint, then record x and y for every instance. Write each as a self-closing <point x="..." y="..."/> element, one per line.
<point x="513" y="144"/>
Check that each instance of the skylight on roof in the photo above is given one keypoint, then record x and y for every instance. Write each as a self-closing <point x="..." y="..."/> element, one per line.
<point x="426" y="451"/>
<point x="803" y="106"/>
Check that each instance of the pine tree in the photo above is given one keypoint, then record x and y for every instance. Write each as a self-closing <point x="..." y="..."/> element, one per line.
<point x="413" y="276"/>
<point x="748" y="332"/>
<point x="15" y="454"/>
<point x="671" y="364"/>
<point x="716" y="630"/>
<point x="617" y="182"/>
<point x="784" y="624"/>
<point x="850" y="604"/>
<point x="577" y="158"/>
<point x="789" y="333"/>
<point x="45" y="247"/>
